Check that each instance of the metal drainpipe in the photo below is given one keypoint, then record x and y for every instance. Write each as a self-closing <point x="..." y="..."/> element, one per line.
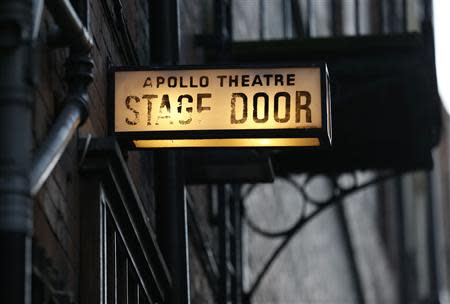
<point x="16" y="87"/>
<point x="79" y="75"/>
<point x="72" y="29"/>
<point x="432" y="240"/>
<point x="403" y="283"/>
<point x="171" y="206"/>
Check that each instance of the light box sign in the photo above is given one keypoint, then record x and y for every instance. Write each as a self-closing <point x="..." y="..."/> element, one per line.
<point x="188" y="107"/>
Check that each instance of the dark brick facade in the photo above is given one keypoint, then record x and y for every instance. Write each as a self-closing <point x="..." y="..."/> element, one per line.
<point x="120" y="31"/>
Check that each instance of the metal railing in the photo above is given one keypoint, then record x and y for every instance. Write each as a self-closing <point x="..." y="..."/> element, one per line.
<point x="297" y="19"/>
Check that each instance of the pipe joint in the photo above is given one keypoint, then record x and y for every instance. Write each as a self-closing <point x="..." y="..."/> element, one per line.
<point x="81" y="101"/>
<point x="79" y="68"/>
<point x="15" y="204"/>
<point x="67" y="19"/>
<point x="12" y="33"/>
<point x="79" y="75"/>
<point x="15" y="96"/>
<point x="57" y="38"/>
<point x="15" y="183"/>
<point x="16" y="214"/>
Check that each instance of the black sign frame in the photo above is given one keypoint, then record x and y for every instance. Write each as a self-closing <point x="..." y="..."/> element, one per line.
<point x="324" y="134"/>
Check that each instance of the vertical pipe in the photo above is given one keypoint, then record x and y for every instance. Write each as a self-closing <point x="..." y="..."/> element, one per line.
<point x="357" y="19"/>
<point x="334" y="17"/>
<point x="237" y="252"/>
<point x="381" y="26"/>
<point x="164" y="28"/>
<point x="171" y="217"/>
<point x="402" y="253"/>
<point x="433" y="269"/>
<point x="219" y="21"/>
<point x="262" y="12"/>
<point x="428" y="10"/>
<point x="284" y="20"/>
<point x="222" y="26"/>
<point x="229" y="20"/>
<point x="297" y="20"/>
<point x="392" y="17"/>
<point x="337" y="17"/>
<point x="15" y="151"/>
<point x="224" y="246"/>
<point x="308" y="18"/>
<point x="171" y="222"/>
<point x="404" y="16"/>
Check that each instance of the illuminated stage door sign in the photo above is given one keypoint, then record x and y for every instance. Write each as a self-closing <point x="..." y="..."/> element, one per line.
<point x="222" y="107"/>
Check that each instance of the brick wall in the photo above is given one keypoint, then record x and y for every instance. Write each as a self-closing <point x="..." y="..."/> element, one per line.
<point x="121" y="36"/>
